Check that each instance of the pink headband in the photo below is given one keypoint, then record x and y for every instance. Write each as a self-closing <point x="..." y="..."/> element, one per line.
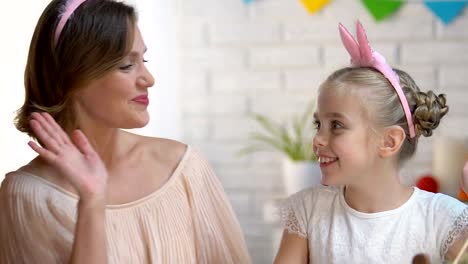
<point x="70" y="7"/>
<point x="363" y="56"/>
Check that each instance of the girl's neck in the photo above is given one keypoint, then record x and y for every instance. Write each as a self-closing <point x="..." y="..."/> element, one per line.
<point x="380" y="193"/>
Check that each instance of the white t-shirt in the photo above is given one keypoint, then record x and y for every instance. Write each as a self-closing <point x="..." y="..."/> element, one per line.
<point x="427" y="223"/>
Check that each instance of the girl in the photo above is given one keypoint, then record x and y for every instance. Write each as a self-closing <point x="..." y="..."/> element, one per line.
<point x="369" y="119"/>
<point x="95" y="193"/>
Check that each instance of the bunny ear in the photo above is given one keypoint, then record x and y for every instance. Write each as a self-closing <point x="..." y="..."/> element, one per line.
<point x="365" y="49"/>
<point x="350" y="44"/>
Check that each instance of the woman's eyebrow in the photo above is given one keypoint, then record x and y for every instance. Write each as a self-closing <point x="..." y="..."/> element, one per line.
<point x="136" y="53"/>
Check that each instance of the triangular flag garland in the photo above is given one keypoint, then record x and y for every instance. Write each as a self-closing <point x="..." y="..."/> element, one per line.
<point x="446" y="11"/>
<point x="382" y="9"/>
<point x="314" y="5"/>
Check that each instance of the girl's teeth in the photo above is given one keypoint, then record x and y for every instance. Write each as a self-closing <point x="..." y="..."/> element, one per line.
<point x="326" y="160"/>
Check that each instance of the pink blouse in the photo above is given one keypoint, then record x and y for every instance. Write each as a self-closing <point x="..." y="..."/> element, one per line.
<point x="188" y="220"/>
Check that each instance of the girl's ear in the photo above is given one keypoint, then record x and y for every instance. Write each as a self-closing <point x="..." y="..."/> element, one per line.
<point x="392" y="140"/>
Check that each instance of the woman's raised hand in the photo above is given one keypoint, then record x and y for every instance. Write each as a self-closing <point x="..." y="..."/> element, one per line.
<point x="75" y="159"/>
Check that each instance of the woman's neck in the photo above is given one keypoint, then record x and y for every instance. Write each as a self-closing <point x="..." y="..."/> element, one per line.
<point x="107" y="142"/>
<point x="380" y="192"/>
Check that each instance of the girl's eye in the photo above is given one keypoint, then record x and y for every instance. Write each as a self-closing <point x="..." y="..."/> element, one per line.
<point x="317" y="124"/>
<point x="145" y="61"/>
<point x="336" y="125"/>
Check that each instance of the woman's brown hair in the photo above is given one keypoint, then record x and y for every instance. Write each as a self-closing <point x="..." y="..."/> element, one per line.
<point x="93" y="42"/>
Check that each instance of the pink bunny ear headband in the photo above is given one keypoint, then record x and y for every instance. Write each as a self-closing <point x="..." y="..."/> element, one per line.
<point x="70" y="7"/>
<point x="363" y="56"/>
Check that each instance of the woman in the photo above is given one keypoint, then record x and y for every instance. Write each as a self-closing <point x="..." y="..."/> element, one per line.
<point x="95" y="193"/>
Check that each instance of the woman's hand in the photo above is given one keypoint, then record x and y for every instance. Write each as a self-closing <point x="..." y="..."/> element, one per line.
<point x="75" y="159"/>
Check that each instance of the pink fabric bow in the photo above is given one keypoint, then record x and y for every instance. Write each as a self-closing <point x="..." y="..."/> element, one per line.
<point x="362" y="55"/>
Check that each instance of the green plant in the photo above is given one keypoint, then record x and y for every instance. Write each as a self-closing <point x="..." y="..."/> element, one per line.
<point x="292" y="139"/>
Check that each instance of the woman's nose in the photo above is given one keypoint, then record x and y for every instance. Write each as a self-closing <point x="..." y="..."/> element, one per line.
<point x="146" y="79"/>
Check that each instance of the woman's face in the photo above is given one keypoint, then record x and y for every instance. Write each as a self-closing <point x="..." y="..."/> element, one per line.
<point x="119" y="99"/>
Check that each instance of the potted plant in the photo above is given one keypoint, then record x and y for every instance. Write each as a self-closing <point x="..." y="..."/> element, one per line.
<point x="294" y="140"/>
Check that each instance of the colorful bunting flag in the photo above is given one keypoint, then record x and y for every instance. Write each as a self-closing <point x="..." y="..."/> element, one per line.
<point x="446" y="11"/>
<point x="314" y="5"/>
<point x="381" y="9"/>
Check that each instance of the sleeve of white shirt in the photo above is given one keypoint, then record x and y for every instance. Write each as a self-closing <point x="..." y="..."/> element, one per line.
<point x="294" y="212"/>
<point x="452" y="219"/>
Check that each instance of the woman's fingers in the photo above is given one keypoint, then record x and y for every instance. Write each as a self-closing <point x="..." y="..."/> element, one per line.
<point x="38" y="117"/>
<point x="82" y="142"/>
<point x="49" y="132"/>
<point x="56" y="128"/>
<point x="47" y="155"/>
<point x="54" y="138"/>
<point x="73" y="156"/>
<point x="49" y="125"/>
<point x="45" y="137"/>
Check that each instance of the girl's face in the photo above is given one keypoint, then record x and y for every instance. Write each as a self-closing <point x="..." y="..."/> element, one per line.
<point x="119" y="99"/>
<point x="344" y="141"/>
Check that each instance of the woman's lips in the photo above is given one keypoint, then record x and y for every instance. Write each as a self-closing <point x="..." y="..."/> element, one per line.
<point x="142" y="99"/>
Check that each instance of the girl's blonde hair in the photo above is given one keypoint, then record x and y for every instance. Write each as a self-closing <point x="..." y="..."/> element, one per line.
<point x="383" y="107"/>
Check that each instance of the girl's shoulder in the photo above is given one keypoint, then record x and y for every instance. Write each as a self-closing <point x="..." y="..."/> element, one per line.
<point x="439" y="202"/>
<point x="313" y="199"/>
<point x="317" y="193"/>
<point x="446" y="215"/>
<point x="304" y="207"/>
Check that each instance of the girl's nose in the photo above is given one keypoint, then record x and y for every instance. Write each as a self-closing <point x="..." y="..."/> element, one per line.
<point x="319" y="140"/>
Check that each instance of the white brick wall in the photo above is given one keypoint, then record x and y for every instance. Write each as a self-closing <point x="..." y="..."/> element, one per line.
<point x="270" y="57"/>
<point x="283" y="56"/>
<point x="241" y="33"/>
